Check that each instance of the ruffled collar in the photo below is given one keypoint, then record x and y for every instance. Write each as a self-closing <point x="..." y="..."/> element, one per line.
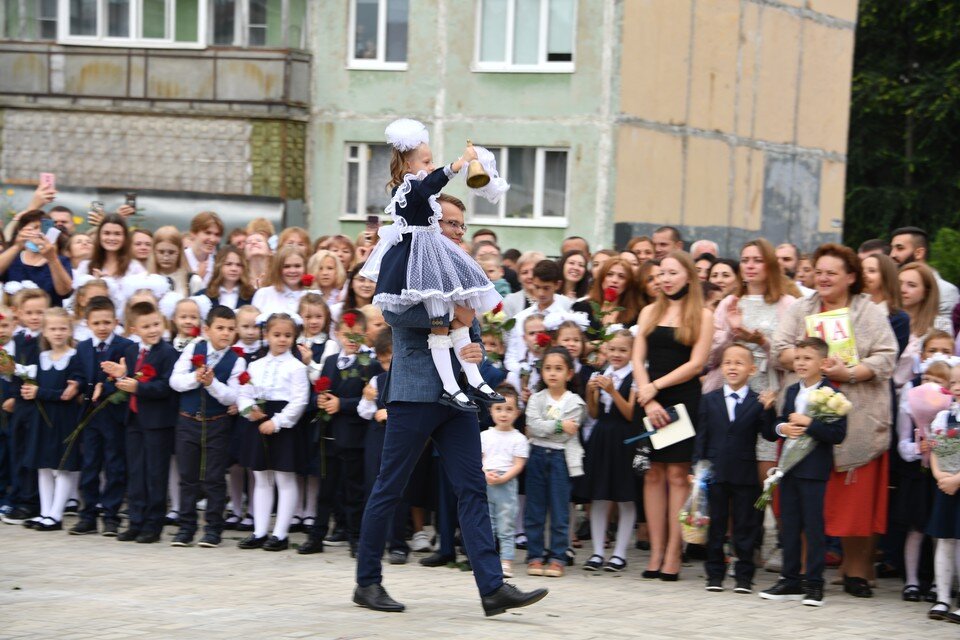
<point x="47" y="363"/>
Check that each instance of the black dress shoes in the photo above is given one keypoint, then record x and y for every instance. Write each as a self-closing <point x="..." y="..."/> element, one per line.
<point x="84" y="527"/>
<point x="312" y="545"/>
<point x="375" y="597"/>
<point x="509" y="597"/>
<point x="148" y="537"/>
<point x="109" y="529"/>
<point x="182" y="539"/>
<point x="49" y="524"/>
<point x="209" y="541"/>
<point x="252" y="542"/>
<point x="487" y="397"/>
<point x="437" y="560"/>
<point x="129" y="535"/>
<point x="459" y="401"/>
<point x="274" y="543"/>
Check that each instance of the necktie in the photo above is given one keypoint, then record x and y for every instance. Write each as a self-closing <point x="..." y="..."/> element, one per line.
<point x="343" y="362"/>
<point x="136" y="369"/>
<point x="101" y="347"/>
<point x="736" y="407"/>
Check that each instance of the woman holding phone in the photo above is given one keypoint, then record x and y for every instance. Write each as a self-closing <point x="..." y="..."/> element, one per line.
<point x="34" y="255"/>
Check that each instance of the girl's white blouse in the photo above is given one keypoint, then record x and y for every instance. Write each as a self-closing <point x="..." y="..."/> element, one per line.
<point x="281" y="378"/>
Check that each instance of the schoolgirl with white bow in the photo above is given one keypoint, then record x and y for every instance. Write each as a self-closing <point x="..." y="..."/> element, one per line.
<point x="50" y="414"/>
<point x="272" y="402"/>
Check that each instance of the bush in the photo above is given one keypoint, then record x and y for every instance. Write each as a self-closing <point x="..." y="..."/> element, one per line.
<point x="945" y="254"/>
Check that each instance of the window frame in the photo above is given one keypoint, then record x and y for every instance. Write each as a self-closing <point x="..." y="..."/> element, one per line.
<point x="242" y="25"/>
<point x="136" y="10"/>
<point x="539" y="180"/>
<point x="542" y="65"/>
<point x="364" y="155"/>
<point x="380" y="63"/>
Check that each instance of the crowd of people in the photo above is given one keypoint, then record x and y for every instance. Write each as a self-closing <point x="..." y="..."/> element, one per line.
<point x="146" y="372"/>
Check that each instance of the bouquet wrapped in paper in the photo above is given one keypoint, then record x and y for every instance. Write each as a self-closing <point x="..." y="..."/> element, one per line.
<point x="695" y="514"/>
<point x="824" y="404"/>
<point x="945" y="438"/>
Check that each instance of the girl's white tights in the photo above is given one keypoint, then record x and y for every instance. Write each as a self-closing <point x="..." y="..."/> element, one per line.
<point x="55" y="488"/>
<point x="911" y="556"/>
<point x="944" y="566"/>
<point x="600" y="515"/>
<point x="287" y="494"/>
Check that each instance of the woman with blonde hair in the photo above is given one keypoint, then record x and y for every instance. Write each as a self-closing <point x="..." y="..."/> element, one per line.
<point x="168" y="259"/>
<point x="920" y="297"/>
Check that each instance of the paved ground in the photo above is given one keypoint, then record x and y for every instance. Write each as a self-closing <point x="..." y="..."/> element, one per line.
<point x="59" y="586"/>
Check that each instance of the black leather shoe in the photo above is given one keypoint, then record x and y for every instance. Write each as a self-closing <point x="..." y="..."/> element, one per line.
<point x="252" y="542"/>
<point x="49" y="524"/>
<point x="209" y="541"/>
<point x="466" y="404"/>
<point x="478" y="394"/>
<point x="129" y="535"/>
<point x="109" y="530"/>
<point x="437" y="560"/>
<point x="509" y="597"/>
<point x="182" y="539"/>
<point x="338" y="538"/>
<point x="148" y="537"/>
<point x="32" y="523"/>
<point x="375" y="597"/>
<point x="274" y="543"/>
<point x="312" y="545"/>
<point x="84" y="527"/>
<point x="398" y="557"/>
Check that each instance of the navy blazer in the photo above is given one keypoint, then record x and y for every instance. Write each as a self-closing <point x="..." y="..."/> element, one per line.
<point x="157" y="403"/>
<point x="93" y="374"/>
<point x="819" y="463"/>
<point x="731" y="447"/>
<point x="348" y="429"/>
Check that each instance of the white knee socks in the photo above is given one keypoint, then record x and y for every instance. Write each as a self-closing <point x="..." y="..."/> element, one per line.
<point x="911" y="556"/>
<point x="65" y="484"/>
<point x="461" y="338"/>
<point x="45" y="485"/>
<point x="628" y="518"/>
<point x="262" y="502"/>
<point x="599" y="516"/>
<point x="287" y="495"/>
<point x="236" y="489"/>
<point x="312" y="492"/>
<point x="440" y="352"/>
<point x="943" y="567"/>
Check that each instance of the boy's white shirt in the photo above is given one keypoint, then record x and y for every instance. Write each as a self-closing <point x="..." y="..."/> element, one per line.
<point x="514" y="344"/>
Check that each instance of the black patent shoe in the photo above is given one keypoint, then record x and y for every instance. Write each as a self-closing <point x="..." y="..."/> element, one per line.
<point x="477" y="394"/>
<point x="454" y="401"/>
<point x="274" y="543"/>
<point x="49" y="524"/>
<point x="375" y="597"/>
<point x="312" y="545"/>
<point x="252" y="542"/>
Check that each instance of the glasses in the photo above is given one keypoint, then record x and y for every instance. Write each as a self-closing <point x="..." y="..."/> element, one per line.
<point x="455" y="225"/>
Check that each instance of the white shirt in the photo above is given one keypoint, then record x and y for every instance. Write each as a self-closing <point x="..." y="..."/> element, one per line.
<point x="735" y="398"/>
<point x="513" y="377"/>
<point x="515" y="346"/>
<point x="271" y="300"/>
<point x="501" y="447"/>
<point x="195" y="263"/>
<point x="184" y="376"/>
<point x="280" y="378"/>
<point x="229" y="297"/>
<point x="367" y="408"/>
<point x="618" y="376"/>
<point x="800" y="404"/>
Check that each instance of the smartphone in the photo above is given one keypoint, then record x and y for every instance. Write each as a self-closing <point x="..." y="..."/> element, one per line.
<point x="373" y="222"/>
<point x="96" y="206"/>
<point x="48" y="180"/>
<point x="131" y="200"/>
<point x="672" y="414"/>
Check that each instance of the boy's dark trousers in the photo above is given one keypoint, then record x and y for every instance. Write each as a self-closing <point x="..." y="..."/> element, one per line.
<point x="102" y="445"/>
<point x="190" y="448"/>
<point x="24" y="490"/>
<point x="342" y="471"/>
<point x="148" y="471"/>
<point x="801" y="511"/>
<point x="726" y="499"/>
<point x="4" y="456"/>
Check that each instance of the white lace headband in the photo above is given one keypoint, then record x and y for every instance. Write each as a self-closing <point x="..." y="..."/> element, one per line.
<point x="406" y="134"/>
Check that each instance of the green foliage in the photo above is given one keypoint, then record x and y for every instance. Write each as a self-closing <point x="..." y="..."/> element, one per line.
<point x="904" y="148"/>
<point x="945" y="254"/>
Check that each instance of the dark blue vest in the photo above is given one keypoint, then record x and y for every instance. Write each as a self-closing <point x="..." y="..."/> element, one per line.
<point x="190" y="400"/>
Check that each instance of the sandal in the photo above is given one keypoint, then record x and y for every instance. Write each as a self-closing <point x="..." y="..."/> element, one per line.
<point x="911" y="593"/>
<point x="857" y="587"/>
<point x="939" y="611"/>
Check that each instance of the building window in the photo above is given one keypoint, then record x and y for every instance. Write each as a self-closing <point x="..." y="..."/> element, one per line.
<point x="367" y="172"/>
<point x="378" y="34"/>
<point x="258" y="23"/>
<point x="526" y="35"/>
<point x="29" y="20"/>
<point x="140" y="23"/>
<point x="538" y="185"/>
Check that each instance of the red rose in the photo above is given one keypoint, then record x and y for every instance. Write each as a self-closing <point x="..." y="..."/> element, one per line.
<point x="322" y="384"/>
<point x="244" y="377"/>
<point x="147" y="373"/>
<point x="544" y="340"/>
<point x="349" y="319"/>
<point x="497" y="309"/>
<point x="307" y="279"/>
<point x="198" y="361"/>
<point x="195" y="332"/>
<point x="238" y="351"/>
<point x="610" y="294"/>
<point x="952" y="433"/>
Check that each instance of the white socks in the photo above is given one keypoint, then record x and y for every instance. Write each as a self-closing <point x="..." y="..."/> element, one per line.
<point x="911" y="556"/>
<point x="235" y="485"/>
<point x="461" y="338"/>
<point x="45" y="486"/>
<point x="286" y="483"/>
<point x="600" y="516"/>
<point x="55" y="488"/>
<point x="628" y="518"/>
<point x="440" y="346"/>
<point x="944" y="566"/>
<point x="312" y="493"/>
<point x="262" y="502"/>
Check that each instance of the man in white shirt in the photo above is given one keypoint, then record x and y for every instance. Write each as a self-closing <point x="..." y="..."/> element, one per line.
<point x="546" y="280"/>
<point x="206" y="230"/>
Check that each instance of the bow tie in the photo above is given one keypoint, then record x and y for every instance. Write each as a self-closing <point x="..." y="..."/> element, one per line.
<point x="25" y="371"/>
<point x="344" y="362"/>
<point x="181" y="343"/>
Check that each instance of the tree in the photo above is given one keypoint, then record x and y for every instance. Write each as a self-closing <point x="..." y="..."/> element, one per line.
<point x="904" y="148"/>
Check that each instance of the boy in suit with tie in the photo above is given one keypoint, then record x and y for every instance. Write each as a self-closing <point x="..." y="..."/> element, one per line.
<point x="731" y="418"/>
<point x="803" y="488"/>
<point x="102" y="440"/>
<point x="144" y="373"/>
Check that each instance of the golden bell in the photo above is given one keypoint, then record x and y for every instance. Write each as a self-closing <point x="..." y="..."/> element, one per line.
<point x="476" y="176"/>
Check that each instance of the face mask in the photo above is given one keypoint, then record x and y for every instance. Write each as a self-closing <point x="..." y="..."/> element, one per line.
<point x="679" y="294"/>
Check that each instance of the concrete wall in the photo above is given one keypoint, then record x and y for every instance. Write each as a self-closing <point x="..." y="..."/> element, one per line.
<point x="734" y="118"/>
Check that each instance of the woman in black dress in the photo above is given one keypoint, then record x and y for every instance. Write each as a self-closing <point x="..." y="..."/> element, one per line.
<point x="669" y="353"/>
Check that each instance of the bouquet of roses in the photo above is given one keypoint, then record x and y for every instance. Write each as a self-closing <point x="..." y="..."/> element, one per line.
<point x="695" y="514"/>
<point x="357" y="338"/>
<point x="824" y="404"/>
<point x="946" y="442"/>
<point x="496" y="323"/>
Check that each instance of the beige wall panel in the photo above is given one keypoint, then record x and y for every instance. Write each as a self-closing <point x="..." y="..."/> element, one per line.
<point x="654" y="61"/>
<point x="777" y="86"/>
<point x="833" y="177"/>
<point x="748" y="69"/>
<point x="795" y="3"/>
<point x="747" y="188"/>
<point x="649" y="174"/>
<point x="714" y="69"/>
<point x="707" y="185"/>
<point x="824" y="111"/>
<point x="843" y="9"/>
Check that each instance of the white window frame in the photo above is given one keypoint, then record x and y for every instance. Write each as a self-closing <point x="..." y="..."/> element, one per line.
<point x="102" y="40"/>
<point x="538" y="219"/>
<point x="380" y="63"/>
<point x="363" y="164"/>
<point x="542" y="66"/>
<point x="242" y="24"/>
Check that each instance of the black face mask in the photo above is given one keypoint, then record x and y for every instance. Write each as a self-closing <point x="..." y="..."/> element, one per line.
<point x="679" y="294"/>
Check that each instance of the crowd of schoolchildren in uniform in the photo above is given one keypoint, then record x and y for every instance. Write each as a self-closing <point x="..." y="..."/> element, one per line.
<point x="169" y="371"/>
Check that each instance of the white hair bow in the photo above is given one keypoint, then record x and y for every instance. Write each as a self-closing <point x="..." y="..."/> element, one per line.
<point x="25" y="371"/>
<point x="612" y="329"/>
<point x="556" y="318"/>
<point x="497" y="186"/>
<point x="15" y="286"/>
<point x="168" y="303"/>
<point x="406" y="134"/>
<point x="266" y="315"/>
<point x="951" y="361"/>
<point x="155" y="283"/>
<point x="205" y="305"/>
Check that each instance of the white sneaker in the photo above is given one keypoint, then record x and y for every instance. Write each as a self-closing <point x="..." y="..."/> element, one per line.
<point x="507" y="567"/>
<point x="420" y="542"/>
<point x="774" y="563"/>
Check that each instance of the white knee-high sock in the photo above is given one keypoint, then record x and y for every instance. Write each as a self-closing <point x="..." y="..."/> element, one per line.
<point x="440" y="352"/>
<point x="599" y="515"/>
<point x="236" y="489"/>
<point x="262" y="502"/>
<point x="286" y="501"/>
<point x="45" y="486"/>
<point x="461" y="338"/>
<point x="911" y="556"/>
<point x="943" y="567"/>
<point x="173" y="485"/>
<point x="65" y="483"/>
<point x="313" y="491"/>
<point x="628" y="517"/>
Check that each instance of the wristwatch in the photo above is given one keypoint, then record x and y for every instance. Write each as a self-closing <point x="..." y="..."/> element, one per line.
<point x="853" y="375"/>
